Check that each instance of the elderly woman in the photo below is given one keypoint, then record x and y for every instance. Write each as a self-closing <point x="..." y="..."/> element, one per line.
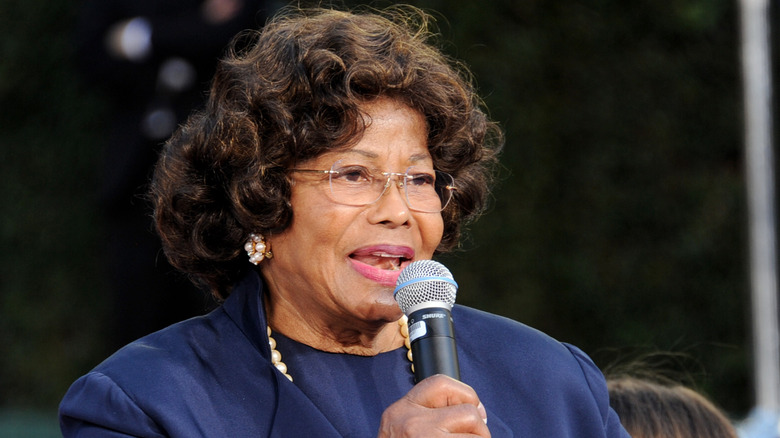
<point x="336" y="148"/>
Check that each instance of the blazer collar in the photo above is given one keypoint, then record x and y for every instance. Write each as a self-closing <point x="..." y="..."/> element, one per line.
<point x="245" y="307"/>
<point x="295" y="414"/>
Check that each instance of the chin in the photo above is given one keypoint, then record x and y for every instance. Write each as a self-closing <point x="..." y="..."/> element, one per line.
<point x="390" y="307"/>
<point x="383" y="307"/>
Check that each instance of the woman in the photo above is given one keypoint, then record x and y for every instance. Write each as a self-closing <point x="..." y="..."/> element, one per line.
<point x="336" y="148"/>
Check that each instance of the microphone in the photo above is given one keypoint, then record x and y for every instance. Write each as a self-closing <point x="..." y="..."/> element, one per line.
<point x="425" y="292"/>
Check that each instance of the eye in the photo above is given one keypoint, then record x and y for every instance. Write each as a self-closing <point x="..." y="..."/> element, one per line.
<point x="353" y="174"/>
<point x="421" y="179"/>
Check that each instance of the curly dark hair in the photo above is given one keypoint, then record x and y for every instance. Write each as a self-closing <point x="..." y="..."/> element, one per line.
<point x="290" y="92"/>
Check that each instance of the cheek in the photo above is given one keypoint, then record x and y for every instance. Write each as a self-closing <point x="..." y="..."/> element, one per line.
<point x="319" y="228"/>
<point x="303" y="225"/>
<point x="432" y="229"/>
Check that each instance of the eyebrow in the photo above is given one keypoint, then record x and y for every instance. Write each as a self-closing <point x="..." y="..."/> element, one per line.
<point x="368" y="154"/>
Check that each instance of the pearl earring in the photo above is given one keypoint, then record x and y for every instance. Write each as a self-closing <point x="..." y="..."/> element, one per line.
<point x="257" y="249"/>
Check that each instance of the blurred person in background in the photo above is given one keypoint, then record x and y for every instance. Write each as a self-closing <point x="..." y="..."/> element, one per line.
<point x="660" y="409"/>
<point x="151" y="60"/>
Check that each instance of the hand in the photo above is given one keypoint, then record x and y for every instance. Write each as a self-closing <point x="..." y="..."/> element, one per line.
<point x="437" y="406"/>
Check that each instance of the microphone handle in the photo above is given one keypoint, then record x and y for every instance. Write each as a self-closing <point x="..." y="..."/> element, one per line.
<point x="432" y="339"/>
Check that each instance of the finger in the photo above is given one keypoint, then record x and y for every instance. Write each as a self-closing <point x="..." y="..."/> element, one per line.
<point x="440" y="391"/>
<point x="435" y="407"/>
<point x="404" y="419"/>
<point x="462" y="419"/>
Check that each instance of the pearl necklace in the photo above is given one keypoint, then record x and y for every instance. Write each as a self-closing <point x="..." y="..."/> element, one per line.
<point x="276" y="357"/>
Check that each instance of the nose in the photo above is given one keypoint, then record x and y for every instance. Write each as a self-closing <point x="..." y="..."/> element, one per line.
<point x="391" y="208"/>
<point x="399" y="181"/>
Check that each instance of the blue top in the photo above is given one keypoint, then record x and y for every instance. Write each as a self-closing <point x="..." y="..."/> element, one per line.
<point x="212" y="376"/>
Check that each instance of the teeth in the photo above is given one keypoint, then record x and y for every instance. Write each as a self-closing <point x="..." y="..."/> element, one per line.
<point x="384" y="254"/>
<point x="393" y="259"/>
<point x="383" y="260"/>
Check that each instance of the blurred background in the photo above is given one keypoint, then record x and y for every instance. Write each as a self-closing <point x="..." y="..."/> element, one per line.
<point x="618" y="224"/>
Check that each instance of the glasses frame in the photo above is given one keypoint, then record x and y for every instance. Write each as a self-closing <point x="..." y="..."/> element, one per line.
<point x="401" y="179"/>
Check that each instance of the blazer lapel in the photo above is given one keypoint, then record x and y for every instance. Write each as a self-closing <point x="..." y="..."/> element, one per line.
<point x="295" y="414"/>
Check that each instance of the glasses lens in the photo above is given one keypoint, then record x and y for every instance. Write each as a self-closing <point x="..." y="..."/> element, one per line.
<point x="354" y="185"/>
<point x="445" y="185"/>
<point x="428" y="191"/>
<point x="425" y="190"/>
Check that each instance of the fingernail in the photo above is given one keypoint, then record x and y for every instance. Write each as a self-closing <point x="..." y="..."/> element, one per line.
<point x="482" y="412"/>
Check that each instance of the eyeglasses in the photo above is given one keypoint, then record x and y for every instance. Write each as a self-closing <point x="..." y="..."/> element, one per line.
<point x="426" y="191"/>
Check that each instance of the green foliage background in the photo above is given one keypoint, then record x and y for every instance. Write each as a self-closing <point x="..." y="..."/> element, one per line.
<point x="618" y="224"/>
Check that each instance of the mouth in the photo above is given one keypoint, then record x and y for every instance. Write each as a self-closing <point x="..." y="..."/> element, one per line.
<point x="382" y="260"/>
<point x="383" y="264"/>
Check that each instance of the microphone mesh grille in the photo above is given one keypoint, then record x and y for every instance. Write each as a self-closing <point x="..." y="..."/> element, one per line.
<point x="426" y="288"/>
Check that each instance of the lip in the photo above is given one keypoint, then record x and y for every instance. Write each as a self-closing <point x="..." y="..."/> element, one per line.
<point x="385" y="277"/>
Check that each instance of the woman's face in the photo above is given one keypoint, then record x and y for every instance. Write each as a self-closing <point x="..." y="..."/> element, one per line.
<point x="339" y="263"/>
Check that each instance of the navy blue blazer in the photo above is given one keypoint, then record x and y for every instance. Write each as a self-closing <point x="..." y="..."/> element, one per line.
<point x="212" y="376"/>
